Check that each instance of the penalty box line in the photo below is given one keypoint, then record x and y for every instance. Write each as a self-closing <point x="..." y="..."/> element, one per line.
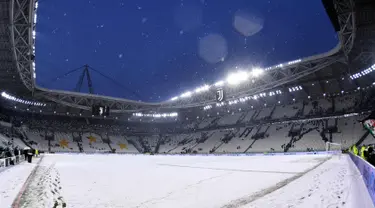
<point x="248" y="199"/>
<point x="230" y="169"/>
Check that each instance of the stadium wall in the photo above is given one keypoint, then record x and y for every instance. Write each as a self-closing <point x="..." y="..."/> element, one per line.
<point x="368" y="174"/>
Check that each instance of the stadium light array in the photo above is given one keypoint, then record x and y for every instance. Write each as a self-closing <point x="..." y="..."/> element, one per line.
<point x="220" y="104"/>
<point x="363" y="72"/>
<point x="36" y="5"/>
<point x="237" y="77"/>
<point x="156" y="115"/>
<point x="186" y="94"/>
<point x="35" y="16"/>
<point x="19" y="100"/>
<point x="296" y="88"/>
<point x="219" y="84"/>
<point x="244" y="99"/>
<point x="264" y="95"/>
<point x="294" y="62"/>
<point x="204" y="88"/>
<point x="257" y="72"/>
<point x="282" y="65"/>
<point x="232" y="79"/>
<point x="174" y="98"/>
<point x="207" y="107"/>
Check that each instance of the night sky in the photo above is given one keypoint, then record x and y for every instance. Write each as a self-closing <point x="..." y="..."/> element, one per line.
<point x="155" y="50"/>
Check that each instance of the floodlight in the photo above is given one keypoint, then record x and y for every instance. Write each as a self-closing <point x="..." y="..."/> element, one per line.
<point x="219" y="84"/>
<point x="237" y="78"/>
<point x="257" y="72"/>
<point x="186" y="94"/>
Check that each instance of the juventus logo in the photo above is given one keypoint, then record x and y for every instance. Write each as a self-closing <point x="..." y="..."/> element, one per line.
<point x="220" y="95"/>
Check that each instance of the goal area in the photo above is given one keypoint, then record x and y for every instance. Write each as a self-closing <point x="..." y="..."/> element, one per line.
<point x="333" y="147"/>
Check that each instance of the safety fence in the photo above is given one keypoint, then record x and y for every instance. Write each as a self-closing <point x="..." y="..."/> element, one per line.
<point x="6" y="162"/>
<point x="368" y="174"/>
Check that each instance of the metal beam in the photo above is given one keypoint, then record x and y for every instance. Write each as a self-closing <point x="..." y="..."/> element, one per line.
<point x="346" y="17"/>
<point x="22" y="41"/>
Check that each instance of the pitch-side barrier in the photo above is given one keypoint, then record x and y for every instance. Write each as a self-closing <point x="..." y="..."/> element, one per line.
<point x="209" y="154"/>
<point x="6" y="162"/>
<point x="368" y="174"/>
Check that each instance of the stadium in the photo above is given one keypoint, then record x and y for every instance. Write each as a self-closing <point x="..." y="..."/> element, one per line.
<point x="275" y="136"/>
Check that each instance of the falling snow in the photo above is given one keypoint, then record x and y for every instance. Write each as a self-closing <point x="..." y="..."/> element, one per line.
<point x="175" y="38"/>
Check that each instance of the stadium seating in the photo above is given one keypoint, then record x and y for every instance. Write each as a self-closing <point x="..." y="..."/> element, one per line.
<point x="239" y="142"/>
<point x="63" y="142"/>
<point x="185" y="144"/>
<point x="349" y="131"/>
<point x="346" y="103"/>
<point x="248" y="116"/>
<point x="93" y="143"/>
<point x="264" y="113"/>
<point x="37" y="139"/>
<point x="286" y="111"/>
<point x="240" y="131"/>
<point x="172" y="142"/>
<point x="121" y="144"/>
<point x="206" y="122"/>
<point x="229" y="119"/>
<point x="305" y="136"/>
<point x="277" y="136"/>
<point x="214" y="139"/>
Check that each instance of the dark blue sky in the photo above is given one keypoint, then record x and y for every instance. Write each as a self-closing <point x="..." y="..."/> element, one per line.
<point x="159" y="49"/>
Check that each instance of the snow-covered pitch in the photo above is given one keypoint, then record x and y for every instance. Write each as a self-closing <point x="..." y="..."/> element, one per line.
<point x="130" y="181"/>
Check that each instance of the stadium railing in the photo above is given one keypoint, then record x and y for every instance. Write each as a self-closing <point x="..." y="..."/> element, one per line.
<point x="5" y="162"/>
<point x="368" y="174"/>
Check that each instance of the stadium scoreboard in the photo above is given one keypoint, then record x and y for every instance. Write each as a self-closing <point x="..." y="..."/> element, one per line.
<point x="99" y="110"/>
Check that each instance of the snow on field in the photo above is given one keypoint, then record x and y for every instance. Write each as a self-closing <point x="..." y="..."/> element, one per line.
<point x="114" y="181"/>
<point x="43" y="190"/>
<point x="169" y="181"/>
<point x="11" y="181"/>
<point x="337" y="183"/>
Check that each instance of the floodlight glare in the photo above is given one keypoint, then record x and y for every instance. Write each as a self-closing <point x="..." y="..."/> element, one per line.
<point x="186" y="94"/>
<point x="174" y="98"/>
<point x="219" y="84"/>
<point x="237" y="78"/>
<point x="202" y="89"/>
<point x="256" y="72"/>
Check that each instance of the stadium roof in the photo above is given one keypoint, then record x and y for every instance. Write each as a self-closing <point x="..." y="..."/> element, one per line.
<point x="354" y="21"/>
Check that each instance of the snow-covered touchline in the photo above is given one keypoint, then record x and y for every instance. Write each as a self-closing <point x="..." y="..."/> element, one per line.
<point x="16" y="203"/>
<point x="248" y="199"/>
<point x="43" y="189"/>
